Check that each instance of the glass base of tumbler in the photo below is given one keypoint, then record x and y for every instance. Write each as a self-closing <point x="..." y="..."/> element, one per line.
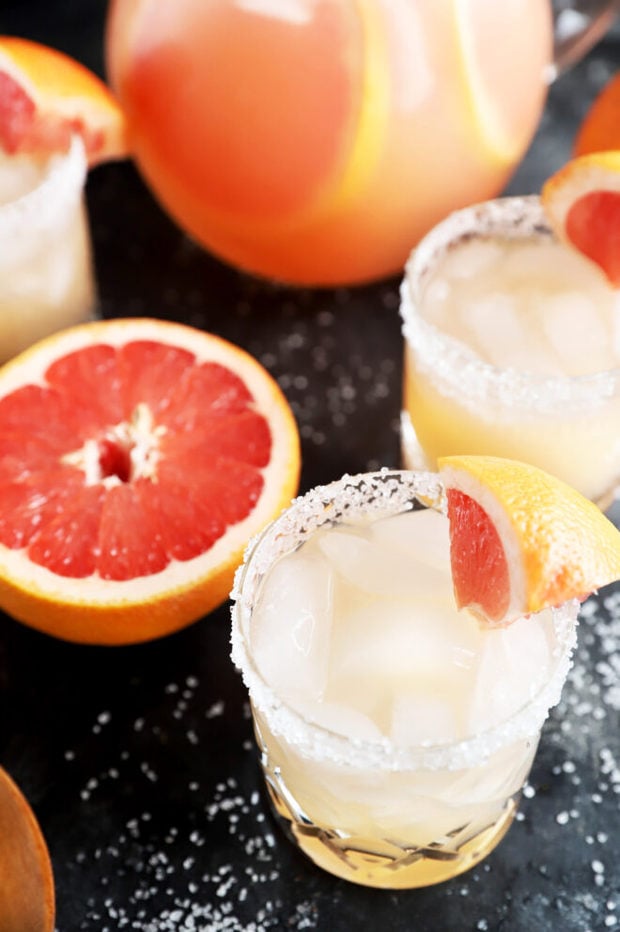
<point x="380" y="863"/>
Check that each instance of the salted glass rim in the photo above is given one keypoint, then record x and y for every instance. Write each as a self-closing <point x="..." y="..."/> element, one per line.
<point x="452" y="362"/>
<point x="62" y="181"/>
<point x="377" y="494"/>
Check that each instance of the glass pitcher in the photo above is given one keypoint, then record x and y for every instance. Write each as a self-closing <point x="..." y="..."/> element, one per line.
<point x="316" y="141"/>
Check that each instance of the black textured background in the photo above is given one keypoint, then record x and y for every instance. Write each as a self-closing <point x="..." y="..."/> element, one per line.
<point x="139" y="762"/>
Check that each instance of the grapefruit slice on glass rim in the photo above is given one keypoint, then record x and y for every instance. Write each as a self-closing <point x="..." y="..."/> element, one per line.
<point x="47" y="96"/>
<point x="522" y="540"/>
<point x="137" y="458"/>
<point x="582" y="204"/>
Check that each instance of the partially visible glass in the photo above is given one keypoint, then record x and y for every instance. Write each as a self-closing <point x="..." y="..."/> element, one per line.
<point x="514" y="357"/>
<point x="382" y="797"/>
<point x="46" y="272"/>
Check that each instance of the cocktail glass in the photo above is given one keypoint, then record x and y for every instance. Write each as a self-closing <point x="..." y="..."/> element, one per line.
<point x="485" y="374"/>
<point x="46" y="275"/>
<point x="400" y="805"/>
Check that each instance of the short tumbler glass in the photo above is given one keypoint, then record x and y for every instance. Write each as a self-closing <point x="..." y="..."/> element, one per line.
<point x="373" y="812"/>
<point x="454" y="402"/>
<point x="46" y="273"/>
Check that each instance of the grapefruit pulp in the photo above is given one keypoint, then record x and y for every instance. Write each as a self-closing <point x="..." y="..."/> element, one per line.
<point x="137" y="457"/>
<point x="46" y="96"/>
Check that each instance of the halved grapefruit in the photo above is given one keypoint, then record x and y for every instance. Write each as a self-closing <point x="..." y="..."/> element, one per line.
<point x="137" y="458"/>
<point x="600" y="128"/>
<point x="522" y="540"/>
<point x="46" y="96"/>
<point x="27" y="898"/>
<point x="582" y="203"/>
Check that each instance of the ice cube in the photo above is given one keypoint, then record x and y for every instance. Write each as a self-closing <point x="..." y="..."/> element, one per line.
<point x="576" y="333"/>
<point x="514" y="663"/>
<point x="340" y="718"/>
<point x="501" y="333"/>
<point x="424" y="536"/>
<point x="471" y="260"/>
<point x="498" y="777"/>
<point x="18" y="176"/>
<point x="615" y="328"/>
<point x="423" y="719"/>
<point x="372" y="567"/>
<point x="437" y="298"/>
<point x="385" y="645"/>
<point x="291" y="625"/>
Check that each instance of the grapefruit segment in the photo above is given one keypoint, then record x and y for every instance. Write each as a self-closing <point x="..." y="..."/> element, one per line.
<point x="582" y="203"/>
<point x="46" y="97"/>
<point x="474" y="540"/>
<point x="522" y="540"/>
<point x="140" y="458"/>
<point x="274" y="160"/>
<point x="253" y="166"/>
<point x="593" y="227"/>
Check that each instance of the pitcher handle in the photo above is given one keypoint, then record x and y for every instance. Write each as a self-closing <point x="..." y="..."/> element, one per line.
<point x="578" y="25"/>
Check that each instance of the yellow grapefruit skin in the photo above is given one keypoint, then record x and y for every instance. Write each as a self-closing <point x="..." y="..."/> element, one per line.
<point x="163" y="455"/>
<point x="556" y="544"/>
<point x="67" y="98"/>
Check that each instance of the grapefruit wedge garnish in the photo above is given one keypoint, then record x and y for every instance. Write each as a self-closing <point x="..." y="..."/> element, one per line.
<point x="137" y="458"/>
<point x="46" y="97"/>
<point x="600" y="128"/>
<point x="582" y="203"/>
<point x="27" y="898"/>
<point x="522" y="540"/>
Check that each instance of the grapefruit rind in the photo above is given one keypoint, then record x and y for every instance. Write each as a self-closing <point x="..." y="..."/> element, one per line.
<point x="600" y="128"/>
<point x="558" y="545"/>
<point x="583" y="176"/>
<point x="67" y="95"/>
<point x="98" y="611"/>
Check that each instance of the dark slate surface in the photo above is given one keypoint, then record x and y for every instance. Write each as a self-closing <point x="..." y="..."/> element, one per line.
<point x="139" y="762"/>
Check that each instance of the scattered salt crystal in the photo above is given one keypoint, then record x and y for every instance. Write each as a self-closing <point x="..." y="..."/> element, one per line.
<point x="215" y="710"/>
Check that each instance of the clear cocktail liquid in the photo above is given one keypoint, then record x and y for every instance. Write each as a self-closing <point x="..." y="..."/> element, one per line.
<point x="404" y="730"/>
